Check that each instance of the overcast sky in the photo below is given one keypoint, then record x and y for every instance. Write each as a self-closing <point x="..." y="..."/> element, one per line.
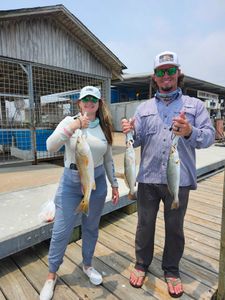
<point x="136" y="30"/>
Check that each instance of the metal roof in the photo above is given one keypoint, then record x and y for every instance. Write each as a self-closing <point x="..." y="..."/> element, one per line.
<point x="75" y="27"/>
<point x="190" y="82"/>
<point x="204" y="85"/>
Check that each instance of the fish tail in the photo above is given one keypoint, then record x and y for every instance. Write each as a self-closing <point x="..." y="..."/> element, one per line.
<point x="175" y="204"/>
<point x="83" y="206"/>
<point x="131" y="196"/>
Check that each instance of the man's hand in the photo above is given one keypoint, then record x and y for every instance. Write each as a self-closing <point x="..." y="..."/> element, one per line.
<point x="127" y="126"/>
<point x="181" y="126"/>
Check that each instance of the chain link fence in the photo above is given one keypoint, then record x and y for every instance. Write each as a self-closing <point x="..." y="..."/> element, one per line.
<point x="34" y="99"/>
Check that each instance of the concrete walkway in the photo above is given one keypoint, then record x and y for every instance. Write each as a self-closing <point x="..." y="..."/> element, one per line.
<point x="25" y="189"/>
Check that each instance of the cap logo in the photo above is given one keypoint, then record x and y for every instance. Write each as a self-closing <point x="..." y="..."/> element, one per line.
<point x="166" y="57"/>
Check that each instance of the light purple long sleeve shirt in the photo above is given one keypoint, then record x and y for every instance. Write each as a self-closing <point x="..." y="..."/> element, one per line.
<point x="153" y="120"/>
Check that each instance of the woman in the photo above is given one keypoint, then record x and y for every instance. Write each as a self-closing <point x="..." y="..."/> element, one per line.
<point x="95" y="119"/>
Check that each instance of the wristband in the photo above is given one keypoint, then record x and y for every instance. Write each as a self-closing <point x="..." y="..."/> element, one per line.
<point x="187" y="136"/>
<point x="78" y="118"/>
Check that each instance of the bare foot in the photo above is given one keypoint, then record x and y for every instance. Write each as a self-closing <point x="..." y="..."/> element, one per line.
<point x="175" y="287"/>
<point x="137" y="278"/>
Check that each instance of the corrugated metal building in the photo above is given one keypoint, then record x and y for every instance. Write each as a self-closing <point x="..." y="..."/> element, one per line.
<point x="134" y="88"/>
<point x="46" y="56"/>
<point x="138" y="87"/>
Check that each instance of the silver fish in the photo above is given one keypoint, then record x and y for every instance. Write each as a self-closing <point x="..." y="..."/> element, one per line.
<point x="85" y="166"/>
<point x="130" y="167"/>
<point x="173" y="173"/>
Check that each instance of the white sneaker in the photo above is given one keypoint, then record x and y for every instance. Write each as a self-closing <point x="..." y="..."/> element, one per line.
<point x="94" y="276"/>
<point x="48" y="289"/>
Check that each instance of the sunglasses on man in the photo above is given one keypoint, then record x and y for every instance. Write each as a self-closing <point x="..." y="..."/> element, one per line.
<point x="89" y="98"/>
<point x="161" y="72"/>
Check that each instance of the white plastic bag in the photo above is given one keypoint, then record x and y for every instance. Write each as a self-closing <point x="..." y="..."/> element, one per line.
<point x="47" y="213"/>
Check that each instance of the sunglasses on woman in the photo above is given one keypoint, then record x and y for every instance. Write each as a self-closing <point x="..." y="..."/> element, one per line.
<point x="170" y="71"/>
<point x="89" y="98"/>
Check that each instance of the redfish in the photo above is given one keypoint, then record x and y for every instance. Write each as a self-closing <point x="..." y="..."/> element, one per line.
<point x="85" y="166"/>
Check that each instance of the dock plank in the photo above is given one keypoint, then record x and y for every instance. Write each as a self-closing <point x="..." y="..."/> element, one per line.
<point x="192" y="246"/>
<point x="206" y="199"/>
<point x="13" y="283"/>
<point x="125" y="239"/>
<point x="192" y="252"/>
<point x="191" y="286"/>
<point x="74" y="277"/>
<point x="113" y="281"/>
<point x="197" y="236"/>
<point x="197" y="268"/>
<point x="36" y="270"/>
<point x="22" y="275"/>
<point x="2" y="296"/>
<point x="123" y="266"/>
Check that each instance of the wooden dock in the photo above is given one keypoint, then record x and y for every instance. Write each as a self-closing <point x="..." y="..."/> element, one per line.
<point x="22" y="275"/>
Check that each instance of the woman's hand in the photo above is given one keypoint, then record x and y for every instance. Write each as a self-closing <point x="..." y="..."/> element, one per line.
<point x="127" y="126"/>
<point x="84" y="120"/>
<point x="115" y="195"/>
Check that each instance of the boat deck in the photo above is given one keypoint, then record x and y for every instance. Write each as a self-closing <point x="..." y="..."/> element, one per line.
<point x="22" y="275"/>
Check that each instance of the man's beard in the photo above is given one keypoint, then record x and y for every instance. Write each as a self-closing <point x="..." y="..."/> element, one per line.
<point x="166" y="88"/>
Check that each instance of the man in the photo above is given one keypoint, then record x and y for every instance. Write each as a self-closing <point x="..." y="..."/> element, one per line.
<point x="155" y="123"/>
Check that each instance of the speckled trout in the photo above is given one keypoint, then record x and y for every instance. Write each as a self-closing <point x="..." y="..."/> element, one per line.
<point x="85" y="166"/>
<point x="130" y="167"/>
<point x="173" y="172"/>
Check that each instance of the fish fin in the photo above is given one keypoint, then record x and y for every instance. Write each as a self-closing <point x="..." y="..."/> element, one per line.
<point x="125" y="180"/>
<point x="82" y="189"/>
<point x="169" y="190"/>
<point x="132" y="196"/>
<point x="94" y="186"/>
<point x="83" y="206"/>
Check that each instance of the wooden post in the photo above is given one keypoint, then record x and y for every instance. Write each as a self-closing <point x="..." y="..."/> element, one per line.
<point x="221" y="284"/>
<point x="220" y="293"/>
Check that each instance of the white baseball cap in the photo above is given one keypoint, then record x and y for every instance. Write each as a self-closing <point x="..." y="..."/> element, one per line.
<point x="90" y="91"/>
<point x="166" y="58"/>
